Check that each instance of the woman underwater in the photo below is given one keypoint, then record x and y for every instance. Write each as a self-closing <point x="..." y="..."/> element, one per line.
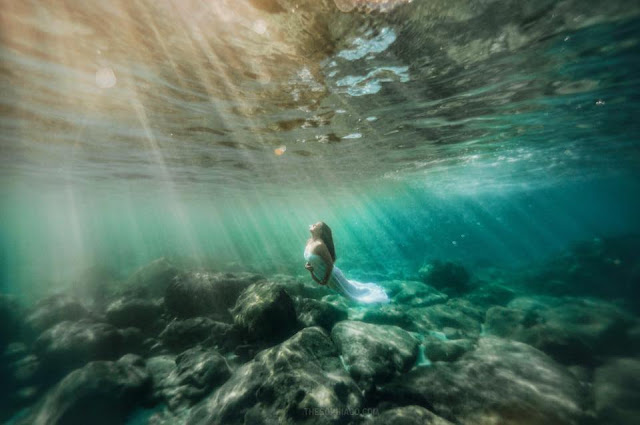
<point x="320" y="254"/>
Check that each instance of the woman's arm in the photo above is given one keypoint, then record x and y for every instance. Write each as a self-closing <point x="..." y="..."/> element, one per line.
<point x="315" y="278"/>
<point x="309" y="267"/>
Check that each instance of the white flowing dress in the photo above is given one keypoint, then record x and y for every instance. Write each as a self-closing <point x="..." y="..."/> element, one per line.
<point x="362" y="292"/>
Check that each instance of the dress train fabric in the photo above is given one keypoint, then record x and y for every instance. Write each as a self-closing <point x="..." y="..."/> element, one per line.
<point x="367" y="293"/>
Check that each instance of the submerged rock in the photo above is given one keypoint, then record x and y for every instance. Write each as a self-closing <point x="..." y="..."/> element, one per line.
<point x="340" y="302"/>
<point x="415" y="294"/>
<point x="25" y="370"/>
<point x="152" y="280"/>
<point x="571" y="330"/>
<point x="616" y="388"/>
<point x="265" y="312"/>
<point x="454" y="319"/>
<point x="187" y="378"/>
<point x="448" y="277"/>
<point x="487" y="295"/>
<point x="319" y="313"/>
<point x="159" y="368"/>
<point x="68" y="345"/>
<point x="465" y="307"/>
<point x="10" y="320"/>
<point x="20" y="373"/>
<point x="408" y="415"/>
<point x="391" y="314"/>
<point x="182" y="334"/>
<point x="136" y="312"/>
<point x="100" y="393"/>
<point x="438" y="350"/>
<point x="53" y="310"/>
<point x="201" y="368"/>
<point x="501" y="381"/>
<point x="196" y="374"/>
<point x="608" y="267"/>
<point x="133" y="341"/>
<point x="301" y="288"/>
<point x="206" y="294"/>
<point x="374" y="353"/>
<point x="300" y="380"/>
<point x="14" y="351"/>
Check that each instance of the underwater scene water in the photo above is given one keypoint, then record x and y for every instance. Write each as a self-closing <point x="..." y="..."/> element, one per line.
<point x="477" y="161"/>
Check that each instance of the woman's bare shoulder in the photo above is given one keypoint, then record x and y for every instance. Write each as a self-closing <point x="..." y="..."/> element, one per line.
<point x="320" y="249"/>
<point x="313" y="246"/>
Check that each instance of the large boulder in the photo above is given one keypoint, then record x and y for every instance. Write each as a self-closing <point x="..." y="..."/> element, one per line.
<point x="197" y="371"/>
<point x="300" y="380"/>
<point x="607" y="267"/>
<point x="136" y="312"/>
<point x="69" y="345"/>
<point x="407" y="415"/>
<point x="182" y="334"/>
<point x="265" y="312"/>
<point x="448" y="277"/>
<point x="319" y="313"/>
<point x="414" y="294"/>
<point x="10" y="320"/>
<point x="616" y="388"/>
<point x="206" y="294"/>
<point x="501" y="381"/>
<point x="374" y="353"/>
<point x="571" y="330"/>
<point x="389" y="314"/>
<point x="303" y="288"/>
<point x="159" y="368"/>
<point x="344" y="303"/>
<point x="19" y="379"/>
<point x="455" y="319"/>
<point x="25" y="370"/>
<point x="102" y="393"/>
<point x="134" y="341"/>
<point x="487" y="295"/>
<point x="152" y="280"/>
<point x="53" y="310"/>
<point x="464" y="306"/>
<point x="442" y="349"/>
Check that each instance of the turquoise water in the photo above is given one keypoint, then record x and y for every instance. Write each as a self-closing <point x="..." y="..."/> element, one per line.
<point x="499" y="136"/>
<point x="390" y="230"/>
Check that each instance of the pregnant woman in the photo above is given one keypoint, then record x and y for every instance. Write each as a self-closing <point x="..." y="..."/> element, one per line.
<point x="320" y="254"/>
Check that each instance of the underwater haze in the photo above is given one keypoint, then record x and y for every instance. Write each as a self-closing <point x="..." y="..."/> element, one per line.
<point x="162" y="162"/>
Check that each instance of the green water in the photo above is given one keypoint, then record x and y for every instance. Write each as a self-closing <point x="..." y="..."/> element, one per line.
<point x="53" y="239"/>
<point x="512" y="126"/>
